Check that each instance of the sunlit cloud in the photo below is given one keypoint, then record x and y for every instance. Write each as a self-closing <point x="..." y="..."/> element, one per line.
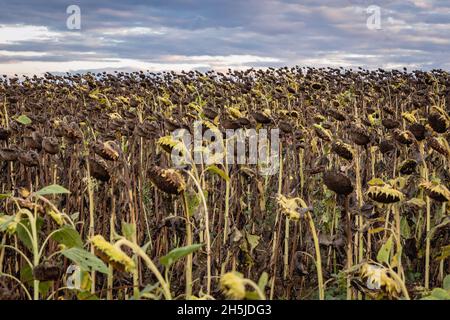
<point x="10" y="34"/>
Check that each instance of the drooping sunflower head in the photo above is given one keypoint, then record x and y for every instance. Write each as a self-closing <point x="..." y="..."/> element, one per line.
<point x="168" y="143"/>
<point x="439" y="145"/>
<point x="322" y="133"/>
<point x="438" y="120"/>
<point x="290" y="206"/>
<point x="408" y="166"/>
<point x="338" y="182"/>
<point x="436" y="191"/>
<point x="403" y="137"/>
<point x="343" y="150"/>
<point x="107" y="150"/>
<point x="232" y="285"/>
<point x="379" y="278"/>
<point x="112" y="254"/>
<point x="167" y="180"/>
<point x="359" y="135"/>
<point x="384" y="193"/>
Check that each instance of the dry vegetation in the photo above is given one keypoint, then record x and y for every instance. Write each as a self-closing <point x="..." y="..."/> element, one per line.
<point x="358" y="209"/>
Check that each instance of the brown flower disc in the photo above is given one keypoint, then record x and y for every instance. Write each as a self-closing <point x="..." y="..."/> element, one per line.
<point x="230" y="124"/>
<point x="418" y="130"/>
<point x="50" y="145"/>
<point x="386" y="146"/>
<point x="285" y="127"/>
<point x="9" y="154"/>
<point x="210" y="113"/>
<point x="434" y="144"/>
<point x="403" y="137"/>
<point x="4" y="133"/>
<point x="437" y="122"/>
<point x="107" y="150"/>
<point x="46" y="272"/>
<point x="147" y="130"/>
<point x="261" y="118"/>
<point x="359" y="136"/>
<point x="167" y="180"/>
<point x="389" y="123"/>
<point x="408" y="167"/>
<point x="338" y="182"/>
<point x="338" y="115"/>
<point x="99" y="170"/>
<point x="342" y="150"/>
<point x="244" y="122"/>
<point x="28" y="158"/>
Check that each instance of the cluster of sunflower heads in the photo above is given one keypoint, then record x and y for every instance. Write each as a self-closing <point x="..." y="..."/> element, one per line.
<point x="292" y="208"/>
<point x="112" y="254"/>
<point x="379" y="282"/>
<point x="382" y="192"/>
<point x="233" y="286"/>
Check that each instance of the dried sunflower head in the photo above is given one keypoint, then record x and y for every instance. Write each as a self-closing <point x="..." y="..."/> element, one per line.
<point x="384" y="193"/>
<point x="107" y="150"/>
<point x="50" y="145"/>
<point x="343" y="150"/>
<point x="438" y="122"/>
<point x="233" y="286"/>
<point x="338" y="182"/>
<point x="291" y="206"/>
<point x="99" y="169"/>
<point x="386" y="146"/>
<point x="379" y="278"/>
<point x="168" y="143"/>
<point x="418" y="130"/>
<point x="167" y="180"/>
<point x="112" y="254"/>
<point x="323" y="133"/>
<point x="436" y="191"/>
<point x="46" y="271"/>
<point x="359" y="135"/>
<point x="408" y="166"/>
<point x="389" y="123"/>
<point x="439" y="145"/>
<point x="337" y="114"/>
<point x="403" y="137"/>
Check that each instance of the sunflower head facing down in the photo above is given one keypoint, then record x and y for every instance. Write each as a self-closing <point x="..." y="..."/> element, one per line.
<point x="436" y="191"/>
<point x="233" y="286"/>
<point x="290" y="207"/>
<point x="112" y="254"/>
<point x="379" y="279"/>
<point x="382" y="192"/>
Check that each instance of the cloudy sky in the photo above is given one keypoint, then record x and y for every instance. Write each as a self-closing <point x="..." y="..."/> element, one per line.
<point x="204" y="34"/>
